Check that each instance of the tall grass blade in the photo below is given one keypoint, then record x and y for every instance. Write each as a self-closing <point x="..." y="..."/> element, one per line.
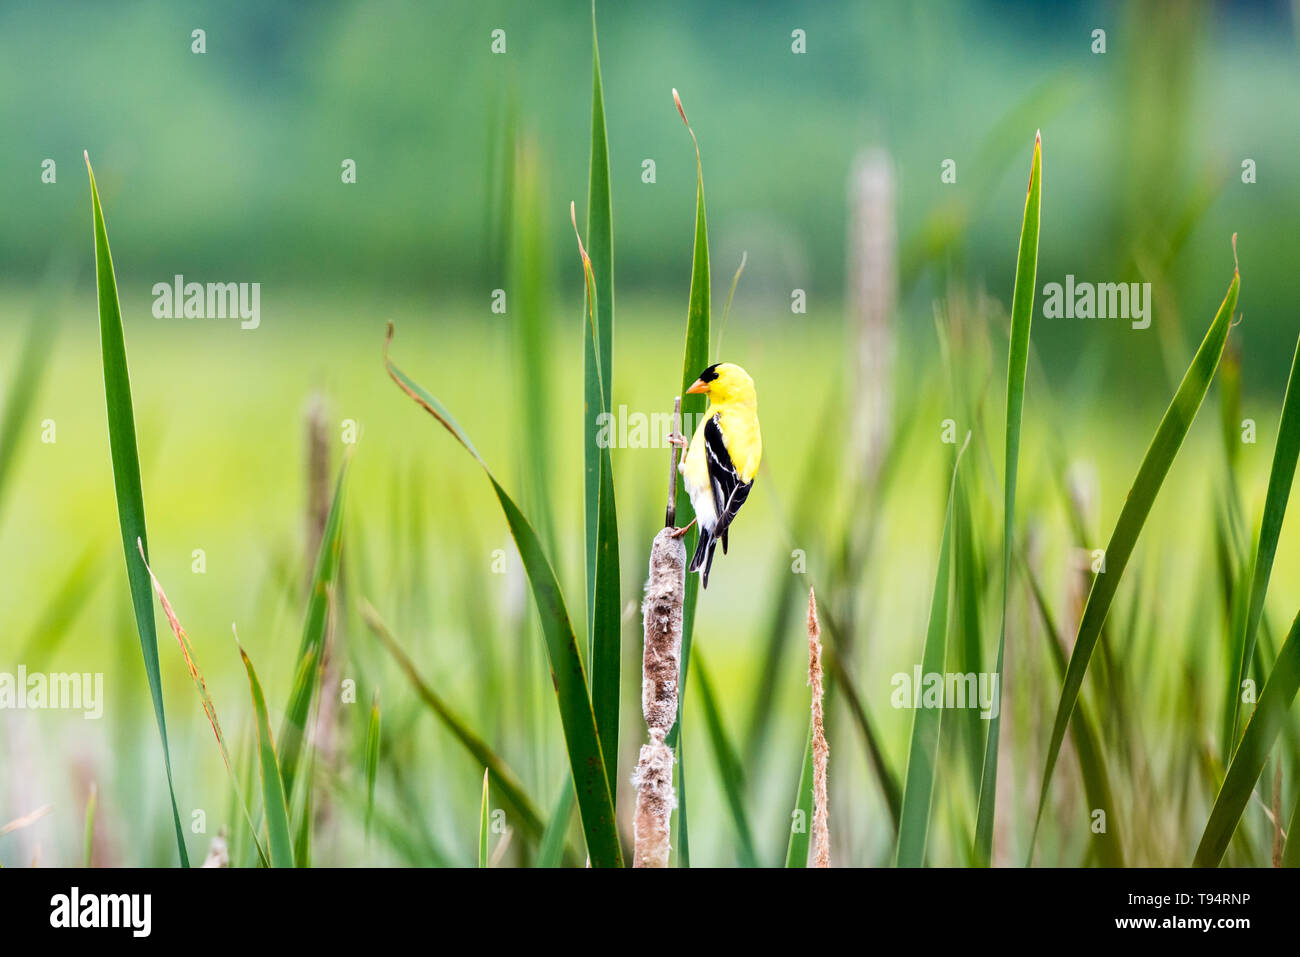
<point x="1022" y="316"/>
<point x="1151" y="474"/>
<point x="1285" y="453"/>
<point x="730" y="772"/>
<point x="923" y="752"/>
<point x="695" y="359"/>
<point x="126" y="480"/>
<point x="568" y="675"/>
<point x="314" y="634"/>
<point x="1252" y="753"/>
<point x="598" y="335"/>
<point x="273" y="790"/>
<point x="604" y="625"/>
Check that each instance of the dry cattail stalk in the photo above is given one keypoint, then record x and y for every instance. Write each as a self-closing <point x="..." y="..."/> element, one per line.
<point x="821" y="750"/>
<point x="661" y="613"/>
<point x="873" y="292"/>
<point x="319" y="497"/>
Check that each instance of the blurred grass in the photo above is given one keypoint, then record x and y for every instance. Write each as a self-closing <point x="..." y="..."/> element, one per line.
<point x="242" y="507"/>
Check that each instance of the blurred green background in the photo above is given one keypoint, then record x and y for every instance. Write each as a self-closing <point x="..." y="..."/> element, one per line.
<point x="225" y="166"/>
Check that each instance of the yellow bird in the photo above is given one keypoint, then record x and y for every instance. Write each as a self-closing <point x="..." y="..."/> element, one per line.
<point x="722" y="458"/>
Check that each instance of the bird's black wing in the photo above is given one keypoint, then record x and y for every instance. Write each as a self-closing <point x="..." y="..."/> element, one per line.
<point x="729" y="492"/>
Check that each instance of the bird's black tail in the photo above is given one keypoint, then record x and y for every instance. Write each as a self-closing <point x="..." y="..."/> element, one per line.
<point x="703" y="558"/>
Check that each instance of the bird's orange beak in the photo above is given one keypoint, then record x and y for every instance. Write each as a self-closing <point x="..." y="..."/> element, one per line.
<point x="699" y="385"/>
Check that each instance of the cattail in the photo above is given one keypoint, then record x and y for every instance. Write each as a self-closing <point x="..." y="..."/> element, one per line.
<point x="821" y="750"/>
<point x="872" y="293"/>
<point x="319" y="496"/>
<point x="662" y="619"/>
<point x="661" y="614"/>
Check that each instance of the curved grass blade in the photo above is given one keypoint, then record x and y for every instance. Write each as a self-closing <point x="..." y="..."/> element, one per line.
<point x="273" y="791"/>
<point x="314" y="634"/>
<point x="695" y="359"/>
<point x="512" y="791"/>
<point x="1087" y="743"/>
<point x="730" y="772"/>
<point x="1256" y="742"/>
<point x="1280" y="477"/>
<point x="923" y="752"/>
<point x="126" y="480"/>
<point x="1022" y="317"/>
<point x="483" y="824"/>
<point x="1151" y="474"/>
<point x="209" y="709"/>
<point x="581" y="739"/>
<point x="796" y="852"/>
<point x="372" y="758"/>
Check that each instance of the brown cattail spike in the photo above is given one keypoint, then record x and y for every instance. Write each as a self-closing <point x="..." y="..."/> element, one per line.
<point x="821" y="750"/>
<point x="665" y="591"/>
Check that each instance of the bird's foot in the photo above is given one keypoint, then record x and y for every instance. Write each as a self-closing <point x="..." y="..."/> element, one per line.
<point x="677" y="439"/>
<point x="679" y="532"/>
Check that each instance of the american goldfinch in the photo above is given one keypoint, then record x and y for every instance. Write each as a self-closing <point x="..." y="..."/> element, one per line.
<point x="722" y="458"/>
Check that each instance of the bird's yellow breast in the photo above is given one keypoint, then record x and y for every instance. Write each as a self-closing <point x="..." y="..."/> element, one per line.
<point x="739" y="424"/>
<point x="740" y="431"/>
